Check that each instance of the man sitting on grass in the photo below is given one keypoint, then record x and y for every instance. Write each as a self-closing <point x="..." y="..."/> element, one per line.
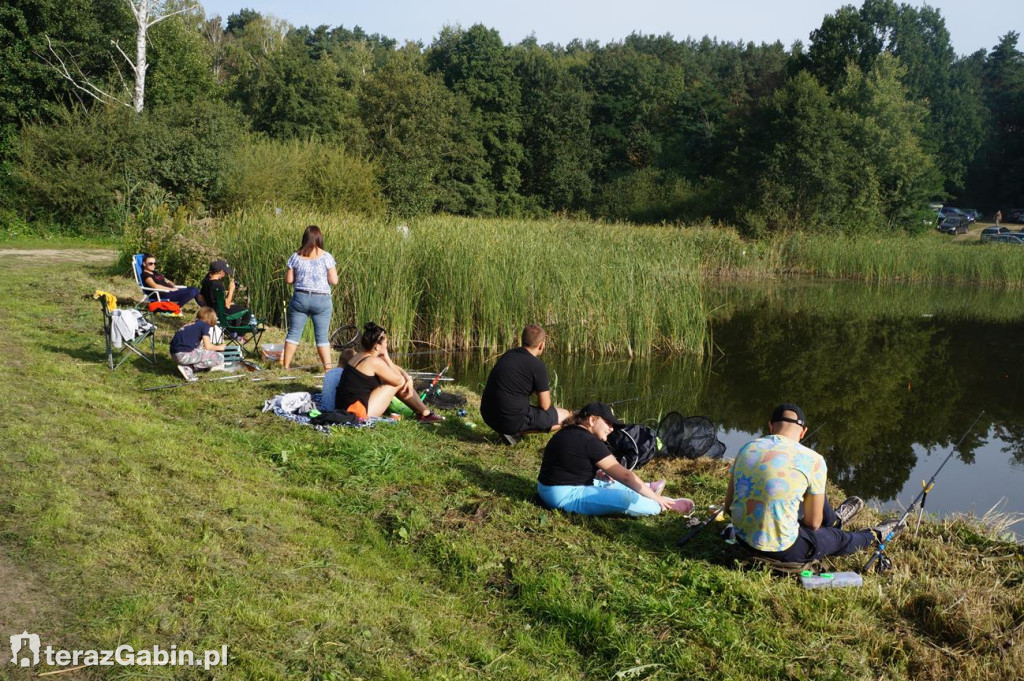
<point x="777" y="498"/>
<point x="519" y="373"/>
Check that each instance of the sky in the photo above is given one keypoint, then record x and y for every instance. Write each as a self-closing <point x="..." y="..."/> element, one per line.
<point x="973" y="24"/>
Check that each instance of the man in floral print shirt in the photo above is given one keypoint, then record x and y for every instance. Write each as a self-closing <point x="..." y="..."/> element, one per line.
<point x="777" y="497"/>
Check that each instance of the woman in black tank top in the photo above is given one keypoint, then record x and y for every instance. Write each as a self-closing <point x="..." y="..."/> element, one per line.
<point x="371" y="379"/>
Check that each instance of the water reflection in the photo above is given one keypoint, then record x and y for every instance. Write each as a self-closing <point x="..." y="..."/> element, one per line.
<point x="893" y="377"/>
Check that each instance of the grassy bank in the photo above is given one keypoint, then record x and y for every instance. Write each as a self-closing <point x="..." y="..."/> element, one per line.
<point x="187" y="517"/>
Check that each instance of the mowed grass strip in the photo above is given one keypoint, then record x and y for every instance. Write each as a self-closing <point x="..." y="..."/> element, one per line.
<point x="187" y="517"/>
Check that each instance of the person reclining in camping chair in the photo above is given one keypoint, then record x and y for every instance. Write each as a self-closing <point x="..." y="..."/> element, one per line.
<point x="777" y="499"/>
<point x="518" y="374"/>
<point x="159" y="287"/>
<point x="236" y="321"/>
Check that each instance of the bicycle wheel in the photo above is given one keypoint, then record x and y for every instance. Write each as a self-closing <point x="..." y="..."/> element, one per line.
<point x="344" y="337"/>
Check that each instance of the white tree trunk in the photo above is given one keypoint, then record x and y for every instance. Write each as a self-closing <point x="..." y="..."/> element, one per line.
<point x="141" y="10"/>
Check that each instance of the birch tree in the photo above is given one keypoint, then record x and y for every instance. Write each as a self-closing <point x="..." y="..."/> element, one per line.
<point x="147" y="14"/>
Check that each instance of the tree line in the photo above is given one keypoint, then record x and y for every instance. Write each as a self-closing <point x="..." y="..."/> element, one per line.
<point x="859" y="129"/>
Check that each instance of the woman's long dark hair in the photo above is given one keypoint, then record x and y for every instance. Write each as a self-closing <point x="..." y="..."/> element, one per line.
<point x="576" y="418"/>
<point x="372" y="333"/>
<point x="312" y="239"/>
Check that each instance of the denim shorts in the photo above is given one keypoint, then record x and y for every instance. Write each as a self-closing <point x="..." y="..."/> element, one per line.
<point x="313" y="306"/>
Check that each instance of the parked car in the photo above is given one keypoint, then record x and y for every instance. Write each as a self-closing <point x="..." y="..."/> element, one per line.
<point x="953" y="225"/>
<point x="972" y="214"/>
<point x="1007" y="239"/>
<point x="1015" y="215"/>
<point x="990" y="233"/>
<point x="950" y="211"/>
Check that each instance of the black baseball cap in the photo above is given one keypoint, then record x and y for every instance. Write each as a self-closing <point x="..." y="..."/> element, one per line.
<point x="780" y="414"/>
<point x="603" y="410"/>
<point x="222" y="266"/>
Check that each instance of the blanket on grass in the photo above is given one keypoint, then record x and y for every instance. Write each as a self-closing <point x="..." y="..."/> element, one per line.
<point x="296" y="407"/>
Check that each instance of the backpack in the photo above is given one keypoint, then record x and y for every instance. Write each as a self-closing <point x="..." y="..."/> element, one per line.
<point x="633" y="445"/>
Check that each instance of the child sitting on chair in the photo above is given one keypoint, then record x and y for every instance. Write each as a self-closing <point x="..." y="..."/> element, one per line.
<point x="191" y="347"/>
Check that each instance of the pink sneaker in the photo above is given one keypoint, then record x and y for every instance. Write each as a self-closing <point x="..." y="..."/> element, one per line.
<point x="656" y="486"/>
<point x="683" y="506"/>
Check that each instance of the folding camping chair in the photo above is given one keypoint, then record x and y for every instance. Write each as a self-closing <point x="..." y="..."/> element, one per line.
<point x="135" y="345"/>
<point x="243" y="325"/>
<point x="148" y="294"/>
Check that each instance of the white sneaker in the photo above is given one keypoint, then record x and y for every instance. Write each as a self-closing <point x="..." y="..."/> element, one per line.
<point x="187" y="372"/>
<point x="219" y="367"/>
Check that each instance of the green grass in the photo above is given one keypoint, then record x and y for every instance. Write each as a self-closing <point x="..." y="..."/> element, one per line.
<point x="928" y="258"/>
<point x="188" y="517"/>
<point x="844" y="300"/>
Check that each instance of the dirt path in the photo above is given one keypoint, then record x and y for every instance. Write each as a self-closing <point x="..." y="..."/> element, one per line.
<point x="62" y="255"/>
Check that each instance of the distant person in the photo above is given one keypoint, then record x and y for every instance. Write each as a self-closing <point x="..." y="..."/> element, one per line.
<point x="370" y="379"/>
<point x="192" y="348"/>
<point x="579" y="474"/>
<point x="182" y="295"/>
<point x="312" y="272"/>
<point x="219" y="272"/>
<point x="517" y="375"/>
<point x="999" y="217"/>
<point x="777" y="498"/>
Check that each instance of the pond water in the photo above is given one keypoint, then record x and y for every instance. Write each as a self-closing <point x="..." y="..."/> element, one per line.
<point x="890" y="379"/>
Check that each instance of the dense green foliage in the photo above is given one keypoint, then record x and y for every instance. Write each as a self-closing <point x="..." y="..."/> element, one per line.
<point x="858" y="131"/>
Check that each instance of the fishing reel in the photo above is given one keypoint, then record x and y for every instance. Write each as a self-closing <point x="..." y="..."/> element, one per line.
<point x="883" y="564"/>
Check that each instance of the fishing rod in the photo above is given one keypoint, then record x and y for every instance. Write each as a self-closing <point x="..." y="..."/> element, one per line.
<point x="884" y="563"/>
<point x="432" y="388"/>
<point x="233" y="377"/>
<point x="717" y="511"/>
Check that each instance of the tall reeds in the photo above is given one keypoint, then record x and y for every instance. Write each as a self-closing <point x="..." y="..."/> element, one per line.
<point x="928" y="258"/>
<point x="461" y="283"/>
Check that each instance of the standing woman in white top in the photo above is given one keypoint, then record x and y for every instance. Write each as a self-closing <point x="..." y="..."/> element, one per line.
<point x="312" y="271"/>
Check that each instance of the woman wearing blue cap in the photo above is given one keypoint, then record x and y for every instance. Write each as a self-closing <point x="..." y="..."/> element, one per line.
<point x="577" y="456"/>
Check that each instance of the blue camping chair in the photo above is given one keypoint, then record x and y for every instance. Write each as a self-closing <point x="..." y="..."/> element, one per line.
<point x="148" y="294"/>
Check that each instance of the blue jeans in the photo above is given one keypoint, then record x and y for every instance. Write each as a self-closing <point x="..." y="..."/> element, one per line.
<point x="181" y="296"/>
<point x="331" y="380"/>
<point x="601" y="498"/>
<point x="304" y="306"/>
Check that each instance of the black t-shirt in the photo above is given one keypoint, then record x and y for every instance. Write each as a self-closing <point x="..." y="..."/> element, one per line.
<point x="571" y="457"/>
<point x="155" y="276"/>
<point x="189" y="336"/>
<point x="207" y="288"/>
<point x="506" y="399"/>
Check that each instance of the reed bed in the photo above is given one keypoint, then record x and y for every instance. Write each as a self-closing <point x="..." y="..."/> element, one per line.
<point x="927" y="258"/>
<point x="460" y="283"/>
<point x="844" y="300"/>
